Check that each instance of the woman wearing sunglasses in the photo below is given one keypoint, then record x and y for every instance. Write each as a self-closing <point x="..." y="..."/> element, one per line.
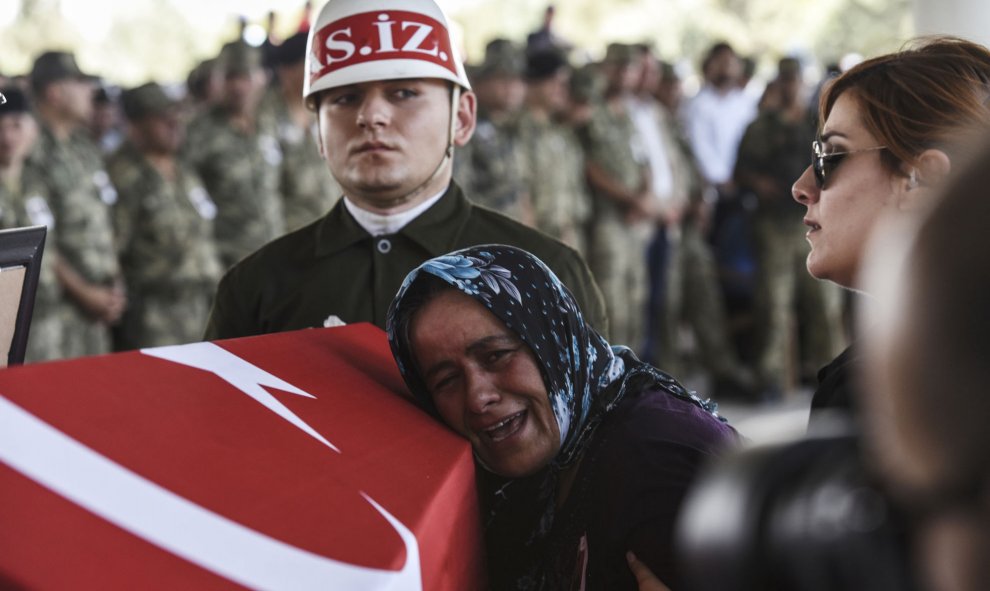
<point x="892" y="128"/>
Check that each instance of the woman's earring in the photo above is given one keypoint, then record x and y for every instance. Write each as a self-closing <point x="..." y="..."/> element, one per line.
<point x="913" y="179"/>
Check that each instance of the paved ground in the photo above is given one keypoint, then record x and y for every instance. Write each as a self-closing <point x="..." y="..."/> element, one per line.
<point x="763" y="422"/>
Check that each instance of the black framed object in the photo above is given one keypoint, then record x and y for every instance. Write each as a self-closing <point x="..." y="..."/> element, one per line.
<point x="20" y="257"/>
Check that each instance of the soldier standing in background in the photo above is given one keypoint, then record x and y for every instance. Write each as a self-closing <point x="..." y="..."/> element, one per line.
<point x="490" y="168"/>
<point x="163" y="222"/>
<point x="307" y="187"/>
<point x="204" y="86"/>
<point x="239" y="158"/>
<point x="81" y="196"/>
<point x="23" y="203"/>
<point x="625" y="206"/>
<point x="772" y="155"/>
<point x="555" y="179"/>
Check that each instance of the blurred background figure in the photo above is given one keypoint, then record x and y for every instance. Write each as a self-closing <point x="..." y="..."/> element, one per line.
<point x="490" y="167"/>
<point x="555" y="161"/>
<point x="689" y="330"/>
<point x="625" y="207"/>
<point x="545" y="38"/>
<point x="238" y="157"/>
<point x="164" y="226"/>
<point x="670" y="92"/>
<point x="80" y="194"/>
<point x="24" y="202"/>
<point x="106" y="124"/>
<point x="715" y="120"/>
<point x="717" y="116"/>
<point x="926" y="410"/>
<point x="772" y="154"/>
<point x="204" y="86"/>
<point x="307" y="188"/>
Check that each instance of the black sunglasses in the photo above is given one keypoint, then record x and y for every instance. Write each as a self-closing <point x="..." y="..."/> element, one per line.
<point x="823" y="163"/>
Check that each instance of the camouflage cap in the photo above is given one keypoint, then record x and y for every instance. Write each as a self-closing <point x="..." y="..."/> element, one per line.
<point x="237" y="57"/>
<point x="502" y="58"/>
<point x="145" y="101"/>
<point x="13" y="101"/>
<point x="587" y="84"/>
<point x="619" y="53"/>
<point x="53" y="66"/>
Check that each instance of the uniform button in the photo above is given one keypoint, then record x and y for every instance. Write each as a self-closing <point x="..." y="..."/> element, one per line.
<point x="384" y="246"/>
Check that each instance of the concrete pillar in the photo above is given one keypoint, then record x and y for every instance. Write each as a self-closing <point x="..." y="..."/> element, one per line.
<point x="969" y="19"/>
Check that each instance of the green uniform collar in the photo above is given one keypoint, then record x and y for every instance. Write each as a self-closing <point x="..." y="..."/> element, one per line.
<point x="431" y="230"/>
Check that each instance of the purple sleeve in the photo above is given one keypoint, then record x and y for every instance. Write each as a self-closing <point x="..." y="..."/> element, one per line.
<point x="650" y="454"/>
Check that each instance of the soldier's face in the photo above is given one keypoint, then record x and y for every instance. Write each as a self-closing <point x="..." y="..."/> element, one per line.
<point x="74" y="98"/>
<point x="17" y="134"/>
<point x="383" y="140"/>
<point x="502" y="93"/>
<point x="553" y="93"/>
<point x="242" y="91"/>
<point x="162" y="134"/>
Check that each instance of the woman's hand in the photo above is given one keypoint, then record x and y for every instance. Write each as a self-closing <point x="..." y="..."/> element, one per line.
<point x="644" y="576"/>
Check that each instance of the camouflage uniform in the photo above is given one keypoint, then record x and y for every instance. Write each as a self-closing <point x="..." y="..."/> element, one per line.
<point x="692" y="294"/>
<point x="491" y="167"/>
<point x="241" y="172"/>
<point x="617" y="249"/>
<point x="165" y="234"/>
<point x="27" y="205"/>
<point x="778" y="149"/>
<point x="555" y="180"/>
<point x="81" y="196"/>
<point x="308" y="189"/>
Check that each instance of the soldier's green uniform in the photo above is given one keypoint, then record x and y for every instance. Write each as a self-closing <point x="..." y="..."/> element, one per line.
<point x="307" y="188"/>
<point x="617" y="250"/>
<point x="334" y="268"/>
<point x="777" y="149"/>
<point x="491" y="167"/>
<point x="240" y="167"/>
<point x="241" y="172"/>
<point x="165" y="234"/>
<point x="692" y="295"/>
<point x="555" y="180"/>
<point x="81" y="196"/>
<point x="26" y="204"/>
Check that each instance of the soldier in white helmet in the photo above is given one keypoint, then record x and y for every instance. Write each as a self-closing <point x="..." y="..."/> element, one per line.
<point x="392" y="102"/>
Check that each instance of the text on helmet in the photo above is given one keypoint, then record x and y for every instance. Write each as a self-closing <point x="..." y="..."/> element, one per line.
<point x="376" y="36"/>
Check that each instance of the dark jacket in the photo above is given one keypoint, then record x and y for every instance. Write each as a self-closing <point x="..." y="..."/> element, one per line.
<point x="333" y="267"/>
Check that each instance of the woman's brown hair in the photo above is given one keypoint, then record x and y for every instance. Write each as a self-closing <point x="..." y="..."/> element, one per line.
<point x="921" y="97"/>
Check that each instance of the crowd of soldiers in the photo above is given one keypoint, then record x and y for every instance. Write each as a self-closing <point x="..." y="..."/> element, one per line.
<point x="142" y="222"/>
<point x="681" y="208"/>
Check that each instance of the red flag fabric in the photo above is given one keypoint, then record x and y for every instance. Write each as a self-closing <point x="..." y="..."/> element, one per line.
<point x="288" y="461"/>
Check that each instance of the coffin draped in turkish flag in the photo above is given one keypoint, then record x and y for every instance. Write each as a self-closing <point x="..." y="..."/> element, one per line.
<point x="289" y="461"/>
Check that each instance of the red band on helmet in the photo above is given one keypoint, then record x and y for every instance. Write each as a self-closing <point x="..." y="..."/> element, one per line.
<point x="381" y="35"/>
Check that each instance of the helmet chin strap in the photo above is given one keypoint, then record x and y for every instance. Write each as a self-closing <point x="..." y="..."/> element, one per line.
<point x="448" y="153"/>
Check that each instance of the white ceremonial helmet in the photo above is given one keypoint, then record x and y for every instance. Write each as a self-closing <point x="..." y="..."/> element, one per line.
<point x="356" y="41"/>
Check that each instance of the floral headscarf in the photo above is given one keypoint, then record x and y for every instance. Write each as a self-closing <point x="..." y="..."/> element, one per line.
<point x="575" y="361"/>
<point x="585" y="378"/>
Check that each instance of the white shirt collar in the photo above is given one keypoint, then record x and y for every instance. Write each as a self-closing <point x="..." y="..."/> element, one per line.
<point x="377" y="224"/>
